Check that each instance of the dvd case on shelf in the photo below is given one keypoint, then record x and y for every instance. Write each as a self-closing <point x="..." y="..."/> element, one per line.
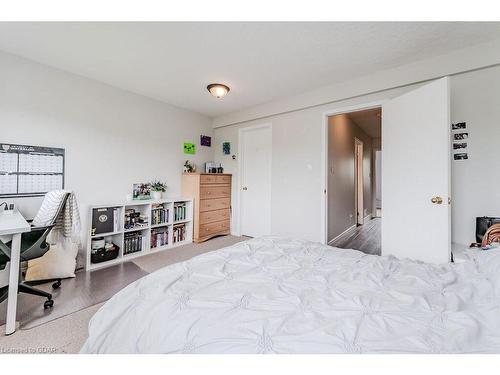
<point x="133" y="242"/>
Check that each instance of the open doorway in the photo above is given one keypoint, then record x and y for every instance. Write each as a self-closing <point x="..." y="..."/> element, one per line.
<point x="354" y="180"/>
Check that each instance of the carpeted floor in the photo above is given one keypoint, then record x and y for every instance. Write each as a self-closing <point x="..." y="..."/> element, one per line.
<point x="64" y="329"/>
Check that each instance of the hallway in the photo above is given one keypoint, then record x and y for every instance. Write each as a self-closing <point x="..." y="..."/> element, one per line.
<point x="365" y="238"/>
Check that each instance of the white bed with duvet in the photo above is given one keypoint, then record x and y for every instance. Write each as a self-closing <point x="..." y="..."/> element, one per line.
<point x="276" y="295"/>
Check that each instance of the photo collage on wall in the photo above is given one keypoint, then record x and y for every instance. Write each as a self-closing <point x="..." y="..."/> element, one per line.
<point x="459" y="137"/>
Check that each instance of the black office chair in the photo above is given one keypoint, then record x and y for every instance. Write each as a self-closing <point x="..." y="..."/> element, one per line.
<point x="33" y="245"/>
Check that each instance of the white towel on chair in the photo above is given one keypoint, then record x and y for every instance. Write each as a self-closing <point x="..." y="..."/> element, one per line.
<point x="64" y="239"/>
<point x="68" y="222"/>
<point x="48" y="210"/>
<point x="66" y="233"/>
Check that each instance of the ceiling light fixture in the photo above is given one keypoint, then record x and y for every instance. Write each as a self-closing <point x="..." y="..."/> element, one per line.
<point x="218" y="89"/>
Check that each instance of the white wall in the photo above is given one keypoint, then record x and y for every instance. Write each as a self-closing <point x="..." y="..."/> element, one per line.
<point x="475" y="99"/>
<point x="112" y="138"/>
<point x="295" y="174"/>
<point x="297" y="190"/>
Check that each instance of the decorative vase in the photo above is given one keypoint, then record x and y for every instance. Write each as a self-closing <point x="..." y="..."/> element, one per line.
<point x="156" y="195"/>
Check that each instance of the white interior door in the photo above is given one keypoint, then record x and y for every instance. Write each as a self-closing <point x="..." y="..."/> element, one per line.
<point x="416" y="174"/>
<point x="255" y="214"/>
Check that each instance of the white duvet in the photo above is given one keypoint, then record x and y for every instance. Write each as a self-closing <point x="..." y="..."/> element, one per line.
<point x="275" y="295"/>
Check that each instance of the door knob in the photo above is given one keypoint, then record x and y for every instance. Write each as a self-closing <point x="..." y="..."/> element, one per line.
<point x="437" y="200"/>
<point x="245" y="188"/>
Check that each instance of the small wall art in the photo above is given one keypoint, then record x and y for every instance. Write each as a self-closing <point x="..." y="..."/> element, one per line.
<point x="458" y="126"/>
<point x="460" y="145"/>
<point x="459" y="136"/>
<point x="226" y="148"/>
<point x="206" y="140"/>
<point x="189" y="148"/>
<point x="461" y="156"/>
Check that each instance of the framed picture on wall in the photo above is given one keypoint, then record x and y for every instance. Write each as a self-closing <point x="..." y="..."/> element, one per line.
<point x="141" y="191"/>
<point x="205" y="140"/>
<point x="460" y="136"/>
<point x="189" y="148"/>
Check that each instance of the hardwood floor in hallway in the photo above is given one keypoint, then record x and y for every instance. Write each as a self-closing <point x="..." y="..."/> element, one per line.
<point x="365" y="238"/>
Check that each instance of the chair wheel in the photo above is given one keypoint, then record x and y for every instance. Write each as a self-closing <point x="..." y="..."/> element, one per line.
<point x="48" y="304"/>
<point x="56" y="285"/>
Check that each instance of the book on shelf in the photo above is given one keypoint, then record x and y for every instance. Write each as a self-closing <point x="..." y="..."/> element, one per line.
<point x="159" y="237"/>
<point x="179" y="233"/>
<point x="159" y="214"/>
<point x="116" y="220"/>
<point x="180" y="211"/>
<point x="103" y="220"/>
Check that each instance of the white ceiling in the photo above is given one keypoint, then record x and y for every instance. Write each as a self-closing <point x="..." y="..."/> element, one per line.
<point x="369" y="120"/>
<point x="261" y="62"/>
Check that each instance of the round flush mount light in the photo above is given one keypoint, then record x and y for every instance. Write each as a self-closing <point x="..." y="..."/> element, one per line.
<point x="218" y="89"/>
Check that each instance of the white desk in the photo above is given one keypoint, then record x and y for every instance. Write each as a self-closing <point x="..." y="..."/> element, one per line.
<point x="13" y="224"/>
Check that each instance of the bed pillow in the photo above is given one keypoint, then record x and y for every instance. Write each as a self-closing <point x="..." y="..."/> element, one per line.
<point x="57" y="263"/>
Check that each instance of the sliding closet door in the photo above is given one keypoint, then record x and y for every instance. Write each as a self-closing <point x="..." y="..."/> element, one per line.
<point x="416" y="174"/>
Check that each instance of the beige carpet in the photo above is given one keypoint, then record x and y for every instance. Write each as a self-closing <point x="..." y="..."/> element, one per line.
<point x="68" y="333"/>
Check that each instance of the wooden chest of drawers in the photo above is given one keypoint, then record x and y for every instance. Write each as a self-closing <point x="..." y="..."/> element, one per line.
<point x="211" y="195"/>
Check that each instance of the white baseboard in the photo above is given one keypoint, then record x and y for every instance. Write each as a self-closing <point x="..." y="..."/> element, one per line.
<point x="341" y="234"/>
<point x="367" y="218"/>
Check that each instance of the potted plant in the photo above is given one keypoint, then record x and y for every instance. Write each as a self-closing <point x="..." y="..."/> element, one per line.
<point x="157" y="188"/>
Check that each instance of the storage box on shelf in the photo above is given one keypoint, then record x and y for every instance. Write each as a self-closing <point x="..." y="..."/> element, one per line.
<point x="121" y="232"/>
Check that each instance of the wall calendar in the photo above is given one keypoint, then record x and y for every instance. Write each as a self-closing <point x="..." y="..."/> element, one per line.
<point x="27" y="171"/>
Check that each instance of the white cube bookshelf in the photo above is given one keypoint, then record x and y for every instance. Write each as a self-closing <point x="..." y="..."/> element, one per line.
<point x="148" y="229"/>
